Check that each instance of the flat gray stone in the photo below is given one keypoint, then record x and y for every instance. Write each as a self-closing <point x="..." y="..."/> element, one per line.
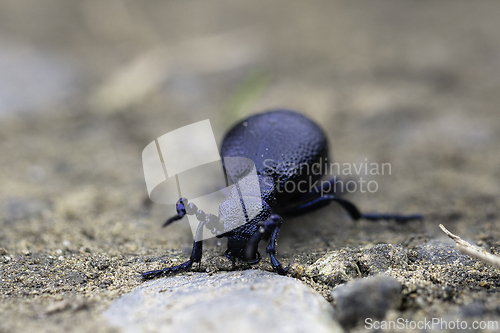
<point x="242" y="301"/>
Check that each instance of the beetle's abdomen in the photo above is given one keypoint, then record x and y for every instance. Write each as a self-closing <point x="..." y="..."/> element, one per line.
<point x="282" y="143"/>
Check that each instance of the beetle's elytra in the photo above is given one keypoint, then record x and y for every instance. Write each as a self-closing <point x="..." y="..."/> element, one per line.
<point x="277" y="142"/>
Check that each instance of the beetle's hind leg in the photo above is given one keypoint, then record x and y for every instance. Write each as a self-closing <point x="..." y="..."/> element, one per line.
<point x="351" y="209"/>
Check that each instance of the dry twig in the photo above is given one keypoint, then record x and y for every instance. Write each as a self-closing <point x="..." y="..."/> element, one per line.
<point x="471" y="250"/>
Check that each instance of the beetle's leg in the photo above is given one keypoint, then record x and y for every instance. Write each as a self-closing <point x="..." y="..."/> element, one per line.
<point x="253" y="243"/>
<point x="326" y="187"/>
<point x="350" y="208"/>
<point x="238" y="249"/>
<point x="396" y="217"/>
<point x="270" y="226"/>
<point x="229" y="256"/>
<point x="271" y="248"/>
<point x="196" y="255"/>
<point x="323" y="201"/>
<point x="265" y="228"/>
<point x="308" y="202"/>
<point x="256" y="260"/>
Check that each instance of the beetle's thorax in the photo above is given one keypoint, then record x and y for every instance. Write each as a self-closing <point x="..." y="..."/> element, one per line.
<point x="251" y="201"/>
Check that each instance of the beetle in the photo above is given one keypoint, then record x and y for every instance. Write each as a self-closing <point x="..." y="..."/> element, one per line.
<point x="286" y="148"/>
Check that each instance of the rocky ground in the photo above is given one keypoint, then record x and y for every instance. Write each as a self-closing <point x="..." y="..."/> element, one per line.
<point x="85" y="86"/>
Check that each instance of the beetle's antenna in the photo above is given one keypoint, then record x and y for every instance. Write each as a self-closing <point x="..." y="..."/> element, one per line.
<point x="172" y="219"/>
<point x="210" y="221"/>
<point x="181" y="211"/>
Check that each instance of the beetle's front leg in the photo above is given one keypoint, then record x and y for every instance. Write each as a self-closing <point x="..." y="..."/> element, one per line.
<point x="270" y="226"/>
<point x="271" y="247"/>
<point x="196" y="255"/>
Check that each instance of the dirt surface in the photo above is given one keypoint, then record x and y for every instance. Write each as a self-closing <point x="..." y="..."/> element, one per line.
<point x="89" y="84"/>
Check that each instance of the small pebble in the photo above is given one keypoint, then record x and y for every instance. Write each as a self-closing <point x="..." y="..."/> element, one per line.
<point x="366" y="298"/>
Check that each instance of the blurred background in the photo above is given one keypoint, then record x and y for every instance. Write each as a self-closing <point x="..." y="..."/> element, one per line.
<point x="86" y="85"/>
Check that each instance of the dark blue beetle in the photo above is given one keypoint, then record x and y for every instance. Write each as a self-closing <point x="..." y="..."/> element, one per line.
<point x="286" y="147"/>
